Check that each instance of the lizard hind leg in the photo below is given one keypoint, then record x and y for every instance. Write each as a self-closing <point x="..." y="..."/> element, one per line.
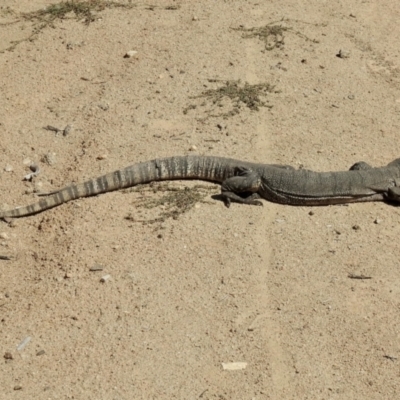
<point x="242" y="188"/>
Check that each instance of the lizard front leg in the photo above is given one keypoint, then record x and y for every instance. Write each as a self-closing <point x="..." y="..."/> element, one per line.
<point x="247" y="183"/>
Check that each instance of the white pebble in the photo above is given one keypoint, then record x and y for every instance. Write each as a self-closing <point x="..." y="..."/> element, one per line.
<point x="105" y="278"/>
<point x="22" y="345"/>
<point x="192" y="148"/>
<point x="130" y="54"/>
<point x="8" y="168"/>
<point x="234" y="366"/>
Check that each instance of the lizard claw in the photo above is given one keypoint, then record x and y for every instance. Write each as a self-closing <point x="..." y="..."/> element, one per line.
<point x="227" y="202"/>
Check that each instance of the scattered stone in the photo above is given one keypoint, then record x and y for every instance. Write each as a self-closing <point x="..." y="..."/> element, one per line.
<point x="105" y="278"/>
<point x="8" y="356"/>
<point x="18" y="387"/>
<point x="311" y="213"/>
<point x="130" y="54"/>
<point x="96" y="268"/>
<point x="103" y="106"/>
<point x="192" y="148"/>
<point x="377" y="221"/>
<point x="49" y="158"/>
<point x="22" y="345"/>
<point x="101" y="157"/>
<point x="343" y="54"/>
<point x="356" y="227"/>
<point x="8" y="168"/>
<point x="40" y="352"/>
<point x="38" y="187"/>
<point x="234" y="366"/>
<point x="4" y="235"/>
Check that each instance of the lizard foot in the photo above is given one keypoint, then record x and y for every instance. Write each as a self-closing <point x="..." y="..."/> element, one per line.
<point x="228" y="197"/>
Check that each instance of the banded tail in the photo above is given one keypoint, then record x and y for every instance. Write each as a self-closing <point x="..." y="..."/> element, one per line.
<point x="207" y="168"/>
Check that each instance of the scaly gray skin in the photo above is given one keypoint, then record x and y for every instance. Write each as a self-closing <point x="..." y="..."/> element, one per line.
<point x="242" y="182"/>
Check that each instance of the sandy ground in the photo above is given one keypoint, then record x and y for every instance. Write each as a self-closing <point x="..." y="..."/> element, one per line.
<point x="267" y="286"/>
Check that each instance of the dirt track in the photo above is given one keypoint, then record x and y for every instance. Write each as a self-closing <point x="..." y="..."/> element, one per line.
<point x="268" y="286"/>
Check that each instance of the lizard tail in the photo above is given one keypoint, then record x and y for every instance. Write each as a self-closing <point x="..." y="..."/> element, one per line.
<point x="207" y="168"/>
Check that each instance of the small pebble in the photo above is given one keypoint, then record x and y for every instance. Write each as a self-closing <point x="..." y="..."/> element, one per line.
<point x="49" y="158"/>
<point x="3" y="235"/>
<point x="103" y="106"/>
<point x="38" y="187"/>
<point x="356" y="227"/>
<point x="8" y="356"/>
<point x="377" y="221"/>
<point x="105" y="278"/>
<point x="18" y="387"/>
<point x="343" y="54"/>
<point x="192" y="148"/>
<point x="40" y="352"/>
<point x="101" y="157"/>
<point x="130" y="54"/>
<point x="8" y="168"/>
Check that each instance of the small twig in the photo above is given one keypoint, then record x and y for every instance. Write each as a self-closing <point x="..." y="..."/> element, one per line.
<point x="64" y="131"/>
<point x="203" y="393"/>
<point x="391" y="358"/>
<point x="52" y="128"/>
<point x="354" y="276"/>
